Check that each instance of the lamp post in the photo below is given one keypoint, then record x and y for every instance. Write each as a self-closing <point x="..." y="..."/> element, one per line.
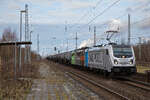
<point x="22" y="11"/>
<point x="31" y="35"/>
<point x="29" y="53"/>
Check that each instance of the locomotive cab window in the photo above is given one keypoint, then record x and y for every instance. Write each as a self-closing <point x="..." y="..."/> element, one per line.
<point x="122" y="52"/>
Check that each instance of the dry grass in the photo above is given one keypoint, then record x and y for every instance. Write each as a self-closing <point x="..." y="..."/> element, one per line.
<point x="142" y="69"/>
<point x="18" y="89"/>
<point x="31" y="71"/>
<point x="14" y="90"/>
<point x="11" y="89"/>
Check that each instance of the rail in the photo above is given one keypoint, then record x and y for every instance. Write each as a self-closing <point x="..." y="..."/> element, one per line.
<point x="138" y="84"/>
<point x="100" y="86"/>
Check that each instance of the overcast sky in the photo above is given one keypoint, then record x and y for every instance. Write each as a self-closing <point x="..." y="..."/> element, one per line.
<point x="48" y="18"/>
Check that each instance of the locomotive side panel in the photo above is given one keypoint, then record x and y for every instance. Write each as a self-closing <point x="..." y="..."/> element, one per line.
<point x="82" y="59"/>
<point x="107" y="61"/>
<point x="86" y="59"/>
<point x="73" y="59"/>
<point x="77" y="58"/>
<point x="95" y="59"/>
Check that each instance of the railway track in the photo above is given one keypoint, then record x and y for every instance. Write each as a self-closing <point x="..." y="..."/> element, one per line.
<point x="130" y="92"/>
<point x="138" y="84"/>
<point x="83" y="77"/>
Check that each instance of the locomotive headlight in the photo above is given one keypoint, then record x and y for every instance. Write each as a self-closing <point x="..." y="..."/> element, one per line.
<point x="131" y="61"/>
<point x="115" y="62"/>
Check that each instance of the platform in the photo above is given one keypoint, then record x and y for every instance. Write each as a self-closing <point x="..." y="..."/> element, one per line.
<point x="54" y="84"/>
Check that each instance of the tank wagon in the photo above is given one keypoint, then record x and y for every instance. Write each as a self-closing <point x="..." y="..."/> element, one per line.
<point x="111" y="58"/>
<point x="64" y="58"/>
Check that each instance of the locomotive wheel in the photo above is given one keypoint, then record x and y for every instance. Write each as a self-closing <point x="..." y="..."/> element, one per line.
<point x="111" y="75"/>
<point x="106" y="74"/>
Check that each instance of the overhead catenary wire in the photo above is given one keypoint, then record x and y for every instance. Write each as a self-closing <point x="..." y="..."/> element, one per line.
<point x="106" y="22"/>
<point x="123" y="15"/>
<point x="134" y="9"/>
<point x="100" y="13"/>
<point x="98" y="3"/>
<point x="103" y="11"/>
<point x="136" y="22"/>
<point x="140" y="20"/>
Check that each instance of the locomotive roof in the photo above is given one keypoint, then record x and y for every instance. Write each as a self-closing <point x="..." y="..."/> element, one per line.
<point x="100" y="47"/>
<point x="97" y="47"/>
<point x="108" y="46"/>
<point x="122" y="46"/>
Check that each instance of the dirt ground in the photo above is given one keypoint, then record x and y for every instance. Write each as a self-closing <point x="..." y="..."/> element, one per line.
<point x="54" y="84"/>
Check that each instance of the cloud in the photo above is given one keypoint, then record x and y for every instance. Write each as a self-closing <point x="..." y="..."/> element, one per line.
<point x="86" y="43"/>
<point x="141" y="6"/>
<point x="129" y="10"/>
<point x="144" y="25"/>
<point x="13" y="5"/>
<point x="51" y="9"/>
<point x="75" y="4"/>
<point x="142" y="1"/>
<point x="147" y="9"/>
<point x="9" y="18"/>
<point x="62" y="14"/>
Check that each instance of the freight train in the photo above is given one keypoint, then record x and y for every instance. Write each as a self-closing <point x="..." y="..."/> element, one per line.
<point x="110" y="58"/>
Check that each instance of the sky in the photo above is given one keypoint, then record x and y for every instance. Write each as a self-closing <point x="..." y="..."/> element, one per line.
<point x="49" y="18"/>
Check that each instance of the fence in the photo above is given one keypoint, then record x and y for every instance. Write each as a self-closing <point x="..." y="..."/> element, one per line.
<point x="10" y="60"/>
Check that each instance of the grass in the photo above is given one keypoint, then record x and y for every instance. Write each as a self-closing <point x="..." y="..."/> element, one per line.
<point x="142" y="69"/>
<point x="11" y="89"/>
<point x="14" y="90"/>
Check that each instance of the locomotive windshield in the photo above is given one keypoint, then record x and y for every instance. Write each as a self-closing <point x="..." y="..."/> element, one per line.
<point x="122" y="52"/>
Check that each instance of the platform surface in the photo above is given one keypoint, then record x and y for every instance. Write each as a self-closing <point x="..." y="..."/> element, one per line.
<point x="56" y="85"/>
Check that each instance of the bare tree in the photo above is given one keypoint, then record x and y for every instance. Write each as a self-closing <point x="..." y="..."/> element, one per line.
<point x="144" y="50"/>
<point x="9" y="35"/>
<point x="7" y="52"/>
